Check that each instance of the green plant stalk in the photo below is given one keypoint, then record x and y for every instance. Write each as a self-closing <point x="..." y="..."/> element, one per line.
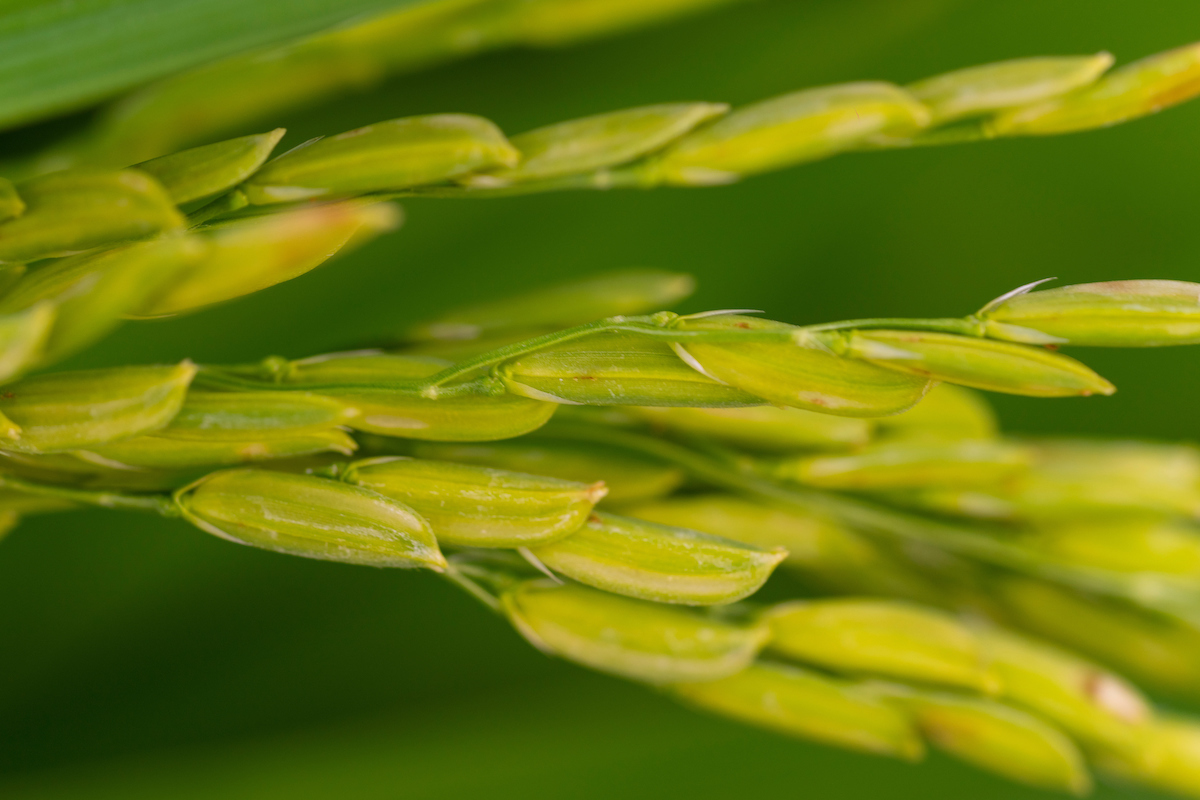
<point x="656" y="325"/>
<point x="124" y="501"/>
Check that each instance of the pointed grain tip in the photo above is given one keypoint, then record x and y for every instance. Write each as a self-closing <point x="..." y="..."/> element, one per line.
<point x="596" y="492"/>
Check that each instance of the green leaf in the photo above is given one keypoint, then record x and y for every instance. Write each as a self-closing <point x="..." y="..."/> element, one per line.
<point x="57" y="56"/>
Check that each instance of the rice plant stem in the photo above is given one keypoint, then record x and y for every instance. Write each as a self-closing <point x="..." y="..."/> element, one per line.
<point x="433" y="386"/>
<point x="963" y="326"/>
<point x="160" y="504"/>
<point x="460" y="576"/>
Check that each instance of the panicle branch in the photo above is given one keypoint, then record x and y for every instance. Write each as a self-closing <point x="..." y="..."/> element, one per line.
<point x="187" y="229"/>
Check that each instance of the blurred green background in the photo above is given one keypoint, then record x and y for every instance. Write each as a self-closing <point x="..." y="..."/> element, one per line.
<point x="143" y="658"/>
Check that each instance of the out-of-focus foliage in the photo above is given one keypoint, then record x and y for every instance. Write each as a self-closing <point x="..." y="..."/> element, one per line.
<point x="59" y="56"/>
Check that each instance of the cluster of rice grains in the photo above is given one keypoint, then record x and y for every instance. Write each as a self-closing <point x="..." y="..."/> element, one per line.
<point x="617" y="480"/>
<point x="618" y="488"/>
<point x="85" y="247"/>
